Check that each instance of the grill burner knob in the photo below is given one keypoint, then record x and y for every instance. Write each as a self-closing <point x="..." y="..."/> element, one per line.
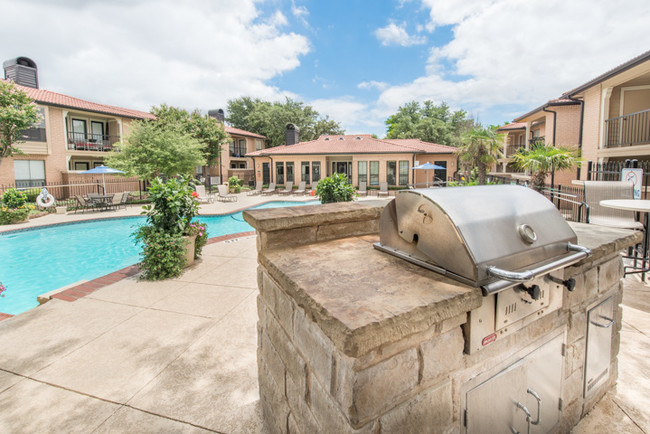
<point x="534" y="291"/>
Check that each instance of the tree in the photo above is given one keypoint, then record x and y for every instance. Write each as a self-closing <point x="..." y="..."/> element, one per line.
<point x="429" y="122"/>
<point x="271" y="118"/>
<point x="480" y="148"/>
<point x="17" y="113"/>
<point x="151" y="151"/>
<point x="543" y="160"/>
<point x="208" y="131"/>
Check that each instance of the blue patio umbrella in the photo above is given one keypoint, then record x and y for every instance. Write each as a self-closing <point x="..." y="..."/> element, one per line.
<point x="427" y="166"/>
<point x="103" y="170"/>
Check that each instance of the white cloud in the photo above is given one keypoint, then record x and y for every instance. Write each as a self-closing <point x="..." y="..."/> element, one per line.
<point x="300" y="12"/>
<point x="141" y="53"/>
<point x="352" y="115"/>
<point x="514" y="52"/>
<point x="372" y="84"/>
<point x="393" y="34"/>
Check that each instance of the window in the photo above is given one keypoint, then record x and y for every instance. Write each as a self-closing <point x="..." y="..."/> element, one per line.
<point x="79" y="165"/>
<point x="97" y="130"/>
<point x="29" y="173"/>
<point x="304" y="171"/>
<point x="391" y="169"/>
<point x="290" y="177"/>
<point x="279" y="173"/>
<point x="403" y="172"/>
<point x="242" y="165"/>
<point x="363" y="172"/>
<point x="374" y="173"/>
<point x="259" y="144"/>
<point x="37" y="132"/>
<point x="97" y="164"/>
<point x="315" y="171"/>
<point x="238" y="149"/>
<point x="78" y="130"/>
<point x="233" y="165"/>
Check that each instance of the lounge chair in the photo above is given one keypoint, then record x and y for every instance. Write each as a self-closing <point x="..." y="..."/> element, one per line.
<point x="383" y="189"/>
<point x="301" y="188"/>
<point x="224" y="196"/>
<point x="203" y="196"/>
<point x="270" y="190"/>
<point x="287" y="189"/>
<point x="362" y="189"/>
<point x="595" y="191"/>
<point x="258" y="189"/>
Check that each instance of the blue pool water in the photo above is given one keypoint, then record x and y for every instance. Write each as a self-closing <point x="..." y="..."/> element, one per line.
<point x="33" y="262"/>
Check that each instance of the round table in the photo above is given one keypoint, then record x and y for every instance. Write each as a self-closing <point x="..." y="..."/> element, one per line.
<point x="637" y="206"/>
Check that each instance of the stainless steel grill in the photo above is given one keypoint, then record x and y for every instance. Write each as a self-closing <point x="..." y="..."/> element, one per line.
<point x="492" y="237"/>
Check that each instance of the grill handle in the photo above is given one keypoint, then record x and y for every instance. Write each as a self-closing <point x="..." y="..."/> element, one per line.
<point x="510" y="278"/>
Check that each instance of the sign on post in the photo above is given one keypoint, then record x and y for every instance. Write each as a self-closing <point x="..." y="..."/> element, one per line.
<point x="635" y="176"/>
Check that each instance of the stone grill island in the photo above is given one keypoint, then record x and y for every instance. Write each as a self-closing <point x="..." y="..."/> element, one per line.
<point x="351" y="339"/>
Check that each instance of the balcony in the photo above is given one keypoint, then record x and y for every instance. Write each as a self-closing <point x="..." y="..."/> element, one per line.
<point x="91" y="142"/>
<point x="237" y="151"/>
<point x="513" y="149"/>
<point x="628" y="130"/>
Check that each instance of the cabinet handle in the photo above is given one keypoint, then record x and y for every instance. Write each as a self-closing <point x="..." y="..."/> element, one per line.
<point x="539" y="407"/>
<point x="528" y="415"/>
<point x="606" y="326"/>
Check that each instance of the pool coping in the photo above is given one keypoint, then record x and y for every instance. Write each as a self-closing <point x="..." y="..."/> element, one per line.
<point x="72" y="293"/>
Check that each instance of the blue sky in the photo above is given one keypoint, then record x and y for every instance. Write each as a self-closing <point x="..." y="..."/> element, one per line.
<point x="356" y="61"/>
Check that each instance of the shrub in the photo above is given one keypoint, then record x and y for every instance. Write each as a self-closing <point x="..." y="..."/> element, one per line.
<point x="172" y="205"/>
<point x="199" y="229"/>
<point x="234" y="180"/>
<point x="14" y="215"/>
<point x="13" y="198"/>
<point x="32" y="194"/>
<point x="163" y="253"/>
<point x="335" y="188"/>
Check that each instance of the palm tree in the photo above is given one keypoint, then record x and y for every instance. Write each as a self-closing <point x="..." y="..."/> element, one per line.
<point x="543" y="160"/>
<point x="480" y="147"/>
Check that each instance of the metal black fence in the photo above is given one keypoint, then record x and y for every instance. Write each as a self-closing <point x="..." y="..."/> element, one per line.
<point x="628" y="130"/>
<point x="64" y="193"/>
<point x="611" y="171"/>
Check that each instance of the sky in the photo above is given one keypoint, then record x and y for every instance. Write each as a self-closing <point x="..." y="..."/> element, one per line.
<point x="354" y="61"/>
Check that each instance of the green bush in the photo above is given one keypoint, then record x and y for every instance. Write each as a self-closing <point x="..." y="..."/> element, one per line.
<point x="172" y="205"/>
<point x="14" y="215"/>
<point x="32" y="194"/>
<point x="13" y="198"/>
<point x="163" y="253"/>
<point x="335" y="188"/>
<point x="234" y="180"/>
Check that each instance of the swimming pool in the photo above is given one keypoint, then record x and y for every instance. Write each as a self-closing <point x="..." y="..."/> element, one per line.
<point x="35" y="261"/>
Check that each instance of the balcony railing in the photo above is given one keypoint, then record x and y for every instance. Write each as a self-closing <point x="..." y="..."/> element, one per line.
<point x="238" y="151"/>
<point x="537" y="141"/>
<point x="91" y="142"/>
<point x="513" y="149"/>
<point x="628" y="130"/>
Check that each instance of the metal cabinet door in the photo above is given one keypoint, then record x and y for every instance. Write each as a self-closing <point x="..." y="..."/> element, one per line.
<point x="492" y="405"/>
<point x="600" y="321"/>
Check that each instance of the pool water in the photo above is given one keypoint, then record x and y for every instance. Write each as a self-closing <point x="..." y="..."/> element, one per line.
<point x="35" y="261"/>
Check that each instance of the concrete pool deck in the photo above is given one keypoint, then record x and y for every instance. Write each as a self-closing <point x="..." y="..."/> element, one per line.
<point x="180" y="356"/>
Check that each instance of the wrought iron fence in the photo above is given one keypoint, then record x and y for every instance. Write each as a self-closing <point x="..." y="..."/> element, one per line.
<point x="611" y="171"/>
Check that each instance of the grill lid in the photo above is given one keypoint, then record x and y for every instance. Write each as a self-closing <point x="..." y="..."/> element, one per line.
<point x="475" y="234"/>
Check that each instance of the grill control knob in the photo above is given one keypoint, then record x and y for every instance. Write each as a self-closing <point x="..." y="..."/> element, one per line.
<point x="527" y="233"/>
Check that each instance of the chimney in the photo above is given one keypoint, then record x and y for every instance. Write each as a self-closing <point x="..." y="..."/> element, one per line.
<point x="218" y="115"/>
<point x="22" y="71"/>
<point x="291" y="136"/>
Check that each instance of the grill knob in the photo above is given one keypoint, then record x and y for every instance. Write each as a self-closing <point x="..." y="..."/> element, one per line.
<point x="527" y="234"/>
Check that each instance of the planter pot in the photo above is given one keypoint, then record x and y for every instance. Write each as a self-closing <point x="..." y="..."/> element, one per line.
<point x="189" y="249"/>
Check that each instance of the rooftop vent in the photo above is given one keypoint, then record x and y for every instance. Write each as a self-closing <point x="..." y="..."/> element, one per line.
<point x="357" y="138"/>
<point x="327" y="139"/>
<point x="22" y="71"/>
<point x="341" y="138"/>
<point x="218" y="115"/>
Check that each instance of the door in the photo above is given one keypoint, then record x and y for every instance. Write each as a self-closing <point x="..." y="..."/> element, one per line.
<point x="78" y="131"/>
<point x="440" y="174"/>
<point x="97" y="131"/>
<point x="600" y="321"/>
<point x="266" y="173"/>
<point x="343" y="167"/>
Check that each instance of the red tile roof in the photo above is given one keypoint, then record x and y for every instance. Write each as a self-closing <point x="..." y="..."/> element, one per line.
<point x="237" y="131"/>
<point x="355" y="144"/>
<point x="47" y="97"/>
<point x="513" y="126"/>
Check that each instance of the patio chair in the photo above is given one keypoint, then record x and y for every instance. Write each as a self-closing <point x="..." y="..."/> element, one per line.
<point x="258" y="189"/>
<point x="83" y="204"/>
<point x="115" y="202"/>
<point x="224" y="196"/>
<point x="363" y="189"/>
<point x="595" y="191"/>
<point x="270" y="190"/>
<point x="301" y="188"/>
<point x="125" y="198"/>
<point x="383" y="189"/>
<point x="287" y="189"/>
<point x="203" y="196"/>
